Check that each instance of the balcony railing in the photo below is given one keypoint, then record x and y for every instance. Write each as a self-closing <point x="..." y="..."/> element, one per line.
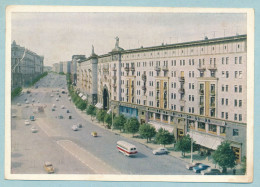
<point x="157" y="68"/>
<point x="132" y="68"/>
<point x="144" y="77"/>
<point x="143" y="87"/>
<point x="114" y="85"/>
<point x="201" y="104"/>
<point x="181" y="79"/>
<point x="212" y="105"/>
<point x="201" y="92"/>
<point x="201" y="67"/>
<point x="165" y="68"/>
<point x="114" y="68"/>
<point x="114" y="77"/>
<point x="126" y="68"/>
<point x="181" y="90"/>
<point x="127" y="85"/>
<point x="212" y="92"/>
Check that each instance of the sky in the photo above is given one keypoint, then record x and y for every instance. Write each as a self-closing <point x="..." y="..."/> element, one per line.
<point x="58" y="36"/>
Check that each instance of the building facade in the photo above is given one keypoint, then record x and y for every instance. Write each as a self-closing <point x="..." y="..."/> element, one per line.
<point x="196" y="88"/>
<point x="25" y="66"/>
<point x="74" y="62"/>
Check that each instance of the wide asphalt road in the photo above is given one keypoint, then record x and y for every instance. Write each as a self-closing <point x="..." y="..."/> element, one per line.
<point x="74" y="151"/>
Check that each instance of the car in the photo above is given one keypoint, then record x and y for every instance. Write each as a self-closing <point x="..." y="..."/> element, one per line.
<point x="53" y="106"/>
<point x="53" y="109"/>
<point x="27" y="102"/>
<point x="160" y="150"/>
<point x="200" y="167"/>
<point x="68" y="111"/>
<point x="210" y="171"/>
<point x="191" y="165"/>
<point x="62" y="107"/>
<point x="51" y="95"/>
<point x="70" y="117"/>
<point x="57" y="99"/>
<point x="60" y="117"/>
<point x="34" y="129"/>
<point x="18" y="104"/>
<point x="32" y="118"/>
<point x="28" y="91"/>
<point x="33" y="100"/>
<point x="27" y="122"/>
<point x="48" y="167"/>
<point x="94" y="134"/>
<point x="79" y="125"/>
<point x="74" y="127"/>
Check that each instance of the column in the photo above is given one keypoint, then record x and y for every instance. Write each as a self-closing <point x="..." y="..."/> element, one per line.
<point x="169" y="119"/>
<point x="196" y="125"/>
<point x="218" y="130"/>
<point x="161" y="116"/>
<point x="207" y="127"/>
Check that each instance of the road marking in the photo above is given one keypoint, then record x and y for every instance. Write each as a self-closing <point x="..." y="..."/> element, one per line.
<point x="95" y="164"/>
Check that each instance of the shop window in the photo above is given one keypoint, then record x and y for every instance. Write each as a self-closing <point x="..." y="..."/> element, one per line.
<point x="212" y="128"/>
<point x="222" y="131"/>
<point x="201" y="126"/>
<point x="235" y="132"/>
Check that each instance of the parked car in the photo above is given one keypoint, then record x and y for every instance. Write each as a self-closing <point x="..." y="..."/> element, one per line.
<point x="200" y="167"/>
<point x="48" y="167"/>
<point x="53" y="109"/>
<point x="53" y="106"/>
<point x="210" y="171"/>
<point x="34" y="129"/>
<point x="27" y="102"/>
<point x="60" y="117"/>
<point x="51" y="95"/>
<point x="32" y="118"/>
<point x="94" y="134"/>
<point x="79" y="125"/>
<point x="18" y="104"/>
<point x="68" y="111"/>
<point x="28" y="91"/>
<point x="57" y="99"/>
<point x="191" y="165"/>
<point x="160" y="151"/>
<point x="74" y="127"/>
<point x="26" y="122"/>
<point x="62" y="107"/>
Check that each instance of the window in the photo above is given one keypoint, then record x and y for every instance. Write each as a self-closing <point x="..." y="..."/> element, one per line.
<point x="212" y="128"/>
<point x="226" y="115"/>
<point x="235" y="60"/>
<point x="240" y="60"/>
<point x="235" y="102"/>
<point x="240" y="88"/>
<point x="227" y="60"/>
<point x="222" y="114"/>
<point x="222" y="101"/>
<point x="227" y="74"/>
<point x="192" y="86"/>
<point x="201" y="125"/>
<point x="226" y="101"/>
<point x="235" y="117"/>
<point x="235" y="132"/>
<point x="222" y="130"/>
<point x="235" y="88"/>
<point x="240" y="117"/>
<point x="226" y="88"/>
<point x="223" y="74"/>
<point x="223" y="60"/>
<point x="240" y="103"/>
<point x="240" y="74"/>
<point x="223" y="88"/>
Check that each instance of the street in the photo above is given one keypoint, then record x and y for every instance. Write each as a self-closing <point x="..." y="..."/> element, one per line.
<point x="73" y="152"/>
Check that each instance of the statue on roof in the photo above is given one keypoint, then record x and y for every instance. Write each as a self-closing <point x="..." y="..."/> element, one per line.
<point x="117" y="42"/>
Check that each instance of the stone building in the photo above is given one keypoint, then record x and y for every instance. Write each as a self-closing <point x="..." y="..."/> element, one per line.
<point x="25" y="66"/>
<point x="197" y="88"/>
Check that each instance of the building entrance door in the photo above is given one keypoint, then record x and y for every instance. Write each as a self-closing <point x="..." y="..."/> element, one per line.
<point x="105" y="99"/>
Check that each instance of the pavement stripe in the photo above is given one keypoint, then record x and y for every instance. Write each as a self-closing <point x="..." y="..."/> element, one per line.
<point x="95" y="164"/>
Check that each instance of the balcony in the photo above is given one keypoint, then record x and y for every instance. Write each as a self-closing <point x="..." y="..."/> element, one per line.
<point x="132" y="68"/>
<point x="114" y="85"/>
<point x="212" y="105"/>
<point x="114" y="68"/>
<point x="105" y="69"/>
<point x="157" y="97"/>
<point x="201" y="104"/>
<point x="157" y="68"/>
<point x="114" y="77"/>
<point x="201" y="92"/>
<point x="165" y="68"/>
<point x="132" y="85"/>
<point x="201" y="67"/>
<point x="144" y="77"/>
<point x="127" y="85"/>
<point x="181" y="90"/>
<point x="182" y="102"/>
<point x="212" y="67"/>
<point x="143" y="87"/>
<point x="212" y="92"/>
<point x="165" y="87"/>
<point x="127" y="68"/>
<point x="182" y="79"/>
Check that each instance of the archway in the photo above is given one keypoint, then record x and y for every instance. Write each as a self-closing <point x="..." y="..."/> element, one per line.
<point x="105" y="99"/>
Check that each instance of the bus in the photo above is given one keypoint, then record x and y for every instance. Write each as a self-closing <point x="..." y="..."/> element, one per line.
<point x="126" y="148"/>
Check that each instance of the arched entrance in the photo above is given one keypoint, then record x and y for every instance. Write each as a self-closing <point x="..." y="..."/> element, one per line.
<point x="105" y="99"/>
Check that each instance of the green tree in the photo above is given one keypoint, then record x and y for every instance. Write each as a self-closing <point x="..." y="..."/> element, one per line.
<point x="119" y="122"/>
<point x="147" y="131"/>
<point x="91" y="110"/>
<point x="101" y="115"/>
<point x="132" y="125"/>
<point x="164" y="137"/>
<point x="184" y="145"/>
<point x="224" y="156"/>
<point x="243" y="165"/>
<point x="81" y="105"/>
<point x="108" y="120"/>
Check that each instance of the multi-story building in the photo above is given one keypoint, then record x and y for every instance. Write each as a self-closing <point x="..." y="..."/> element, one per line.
<point x="197" y="88"/>
<point x="47" y="68"/>
<point x="60" y="69"/>
<point x="75" y="60"/>
<point x="25" y="66"/>
<point x="55" y="67"/>
<point x="66" y="67"/>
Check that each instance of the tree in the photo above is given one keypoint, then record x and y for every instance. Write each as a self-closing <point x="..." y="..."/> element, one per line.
<point x="243" y="165"/>
<point x="132" y="125"/>
<point x="119" y="122"/>
<point x="91" y="110"/>
<point x="184" y="144"/>
<point x="81" y="105"/>
<point x="101" y="115"/>
<point x="224" y="156"/>
<point x="108" y="120"/>
<point x="147" y="131"/>
<point x="164" y="137"/>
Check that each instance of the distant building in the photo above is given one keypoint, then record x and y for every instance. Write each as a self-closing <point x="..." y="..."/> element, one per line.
<point x="66" y="67"/>
<point x="26" y="65"/>
<point x="55" y="67"/>
<point x="47" y="68"/>
<point x="60" y="67"/>
<point x="75" y="60"/>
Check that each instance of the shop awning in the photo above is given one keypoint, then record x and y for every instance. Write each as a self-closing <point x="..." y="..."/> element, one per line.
<point x="205" y="140"/>
<point x="84" y="97"/>
<point x="99" y="105"/>
<point x="158" y="125"/>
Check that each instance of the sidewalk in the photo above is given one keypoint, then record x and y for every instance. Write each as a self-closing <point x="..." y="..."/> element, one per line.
<point x="177" y="154"/>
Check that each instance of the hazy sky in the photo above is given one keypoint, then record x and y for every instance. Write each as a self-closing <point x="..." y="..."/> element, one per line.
<point x="58" y="36"/>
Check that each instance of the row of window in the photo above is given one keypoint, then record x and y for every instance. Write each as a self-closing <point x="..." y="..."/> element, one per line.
<point x="236" y="102"/>
<point x="236" y="116"/>
<point x="237" y="74"/>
